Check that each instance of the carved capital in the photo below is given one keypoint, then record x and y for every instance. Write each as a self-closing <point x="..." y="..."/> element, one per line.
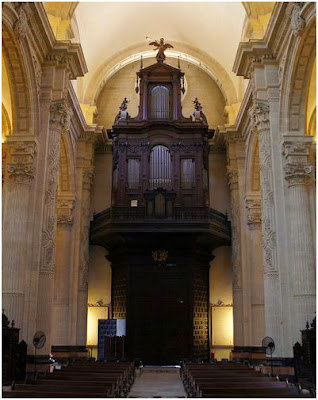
<point x="296" y="20"/>
<point x="253" y="211"/>
<point x="21" y="165"/>
<point x="88" y="177"/>
<point x="65" y="211"/>
<point x="232" y="175"/>
<point x="297" y="149"/>
<point x="297" y="174"/>
<point x="259" y="113"/>
<point x="60" y="115"/>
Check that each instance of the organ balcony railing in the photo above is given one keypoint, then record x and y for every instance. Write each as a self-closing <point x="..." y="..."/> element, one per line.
<point x="122" y="218"/>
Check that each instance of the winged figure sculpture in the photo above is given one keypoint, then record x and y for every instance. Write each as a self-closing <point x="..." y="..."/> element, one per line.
<point x="161" y="46"/>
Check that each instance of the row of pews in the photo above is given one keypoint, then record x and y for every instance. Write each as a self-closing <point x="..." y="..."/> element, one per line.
<point x="232" y="380"/>
<point x="94" y="379"/>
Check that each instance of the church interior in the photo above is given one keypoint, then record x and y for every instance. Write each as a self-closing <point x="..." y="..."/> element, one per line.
<point x="158" y="182"/>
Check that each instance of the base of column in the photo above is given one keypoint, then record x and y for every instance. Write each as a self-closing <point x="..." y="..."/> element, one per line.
<point x="70" y="352"/>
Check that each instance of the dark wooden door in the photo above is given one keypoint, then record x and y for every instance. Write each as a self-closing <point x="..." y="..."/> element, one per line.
<point x="159" y="315"/>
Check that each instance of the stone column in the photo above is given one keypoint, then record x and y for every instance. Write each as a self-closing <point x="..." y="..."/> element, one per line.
<point x="254" y="220"/>
<point x="60" y="115"/>
<point x="238" y="316"/>
<point x="87" y="182"/>
<point x="272" y="295"/>
<point x="62" y="278"/>
<point x="16" y="240"/>
<point x="298" y="174"/>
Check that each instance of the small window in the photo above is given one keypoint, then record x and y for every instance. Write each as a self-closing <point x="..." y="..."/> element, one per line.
<point x="133" y="173"/>
<point x="187" y="173"/>
<point x="159" y="102"/>
<point x="133" y="203"/>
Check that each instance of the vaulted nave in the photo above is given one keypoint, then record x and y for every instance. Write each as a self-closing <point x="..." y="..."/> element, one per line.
<point x="158" y="170"/>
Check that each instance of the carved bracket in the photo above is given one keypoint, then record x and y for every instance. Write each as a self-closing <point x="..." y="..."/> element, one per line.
<point x="60" y="115"/>
<point x="253" y="211"/>
<point x="65" y="211"/>
<point x="259" y="113"/>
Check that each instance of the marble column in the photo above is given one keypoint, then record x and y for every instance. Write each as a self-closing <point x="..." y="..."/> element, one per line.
<point x="298" y="174"/>
<point x="238" y="315"/>
<point x="62" y="279"/>
<point x="60" y="115"/>
<point x="272" y="294"/>
<point x="16" y="240"/>
<point x="87" y="182"/>
<point x="254" y="219"/>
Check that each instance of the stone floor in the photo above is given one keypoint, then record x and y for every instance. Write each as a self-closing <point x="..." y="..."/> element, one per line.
<point x="156" y="382"/>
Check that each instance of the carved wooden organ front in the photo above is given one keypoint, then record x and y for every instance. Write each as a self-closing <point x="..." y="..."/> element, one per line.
<point x="160" y="157"/>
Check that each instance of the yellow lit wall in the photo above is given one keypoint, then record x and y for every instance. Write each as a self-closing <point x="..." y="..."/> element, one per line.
<point x="99" y="292"/>
<point x="221" y="300"/>
<point x="6" y="103"/>
<point x="311" y="104"/>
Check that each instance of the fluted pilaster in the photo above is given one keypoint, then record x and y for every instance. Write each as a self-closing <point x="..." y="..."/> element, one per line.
<point x="87" y="182"/>
<point x="256" y="284"/>
<point x="20" y="174"/>
<point x="60" y="115"/>
<point x="62" y="279"/>
<point x="298" y="175"/>
<point x="259" y="113"/>
<point x="232" y="174"/>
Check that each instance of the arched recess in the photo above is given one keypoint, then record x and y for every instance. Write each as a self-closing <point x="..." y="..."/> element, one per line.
<point x="298" y="63"/>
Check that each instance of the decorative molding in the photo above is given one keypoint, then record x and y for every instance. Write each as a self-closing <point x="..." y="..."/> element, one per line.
<point x="21" y="168"/>
<point x="60" y="115"/>
<point x="65" y="211"/>
<point x="50" y="215"/>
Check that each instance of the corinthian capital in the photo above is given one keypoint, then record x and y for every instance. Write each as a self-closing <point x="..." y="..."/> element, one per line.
<point x="297" y="174"/>
<point x="65" y="211"/>
<point x="253" y="211"/>
<point x="21" y="165"/>
<point x="259" y="113"/>
<point x="60" y="115"/>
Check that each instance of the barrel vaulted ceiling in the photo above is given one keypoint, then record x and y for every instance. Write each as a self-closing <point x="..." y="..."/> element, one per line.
<point x="113" y="34"/>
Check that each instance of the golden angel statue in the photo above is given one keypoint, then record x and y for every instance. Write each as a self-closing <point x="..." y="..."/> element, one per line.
<point x="161" y="46"/>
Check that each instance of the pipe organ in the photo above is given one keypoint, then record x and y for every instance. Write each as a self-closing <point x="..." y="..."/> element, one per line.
<point x="160" y="230"/>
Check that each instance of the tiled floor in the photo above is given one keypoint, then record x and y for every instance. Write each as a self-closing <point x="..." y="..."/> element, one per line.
<point x="156" y="382"/>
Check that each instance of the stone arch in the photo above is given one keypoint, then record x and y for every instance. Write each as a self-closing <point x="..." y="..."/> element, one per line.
<point x="188" y="53"/>
<point x="298" y="62"/>
<point x="17" y="74"/>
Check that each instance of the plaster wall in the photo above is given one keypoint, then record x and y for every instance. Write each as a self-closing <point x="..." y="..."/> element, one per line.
<point x="102" y="182"/>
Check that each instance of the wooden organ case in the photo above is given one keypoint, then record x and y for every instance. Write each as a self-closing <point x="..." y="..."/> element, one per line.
<point x="160" y="231"/>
